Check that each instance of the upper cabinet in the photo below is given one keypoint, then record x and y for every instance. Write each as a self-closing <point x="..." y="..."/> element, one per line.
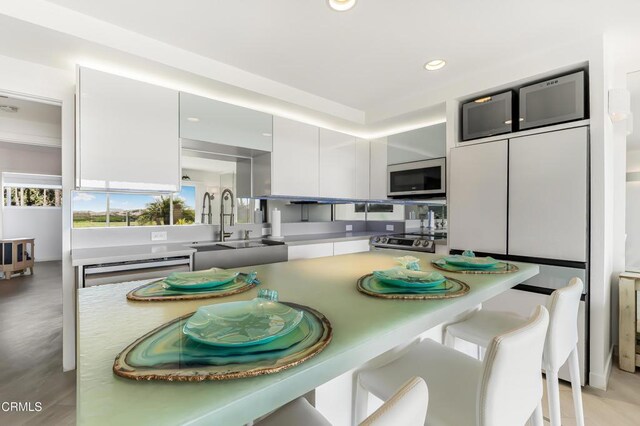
<point x="295" y="159"/>
<point x="337" y="164"/>
<point x="363" y="167"/>
<point x="548" y="195"/>
<point x="478" y="198"/>
<point x="127" y="134"/>
<point x="378" y="169"/>
<point x="208" y="120"/>
<point x="416" y="145"/>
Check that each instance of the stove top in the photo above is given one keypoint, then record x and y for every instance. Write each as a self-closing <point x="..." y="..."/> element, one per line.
<point x="424" y="242"/>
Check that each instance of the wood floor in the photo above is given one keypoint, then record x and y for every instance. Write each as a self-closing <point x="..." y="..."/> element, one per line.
<point x="31" y="349"/>
<point x="31" y="361"/>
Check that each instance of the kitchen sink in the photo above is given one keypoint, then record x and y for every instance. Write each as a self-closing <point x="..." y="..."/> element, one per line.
<point x="237" y="254"/>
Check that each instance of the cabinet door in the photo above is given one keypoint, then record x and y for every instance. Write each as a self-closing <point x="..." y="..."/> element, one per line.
<point x="362" y="169"/>
<point x="347" y="247"/>
<point x="378" y="169"/>
<point x="127" y="134"/>
<point x="337" y="164"/>
<point x="310" y="251"/>
<point x="213" y="121"/>
<point x="548" y="195"/>
<point x="295" y="158"/>
<point x="478" y="198"/>
<point x="416" y="145"/>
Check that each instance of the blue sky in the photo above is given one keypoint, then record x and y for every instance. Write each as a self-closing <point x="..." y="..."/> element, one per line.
<point x="97" y="202"/>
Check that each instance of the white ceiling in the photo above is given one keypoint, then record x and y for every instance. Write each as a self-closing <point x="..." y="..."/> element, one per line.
<point x="363" y="66"/>
<point x="369" y="55"/>
<point x="31" y="111"/>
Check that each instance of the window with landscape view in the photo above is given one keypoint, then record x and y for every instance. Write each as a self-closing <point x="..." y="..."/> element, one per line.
<point x="119" y="210"/>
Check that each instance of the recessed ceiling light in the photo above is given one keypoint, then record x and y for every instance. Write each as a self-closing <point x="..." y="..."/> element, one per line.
<point x="341" y="5"/>
<point x="193" y="119"/>
<point x="435" y="64"/>
<point x="266" y="135"/>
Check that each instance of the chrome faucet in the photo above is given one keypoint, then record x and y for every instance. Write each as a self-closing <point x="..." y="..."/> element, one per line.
<point x="207" y="197"/>
<point x="226" y="194"/>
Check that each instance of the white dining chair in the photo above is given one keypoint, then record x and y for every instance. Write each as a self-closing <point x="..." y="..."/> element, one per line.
<point x="561" y="343"/>
<point x="407" y="407"/>
<point x="503" y="390"/>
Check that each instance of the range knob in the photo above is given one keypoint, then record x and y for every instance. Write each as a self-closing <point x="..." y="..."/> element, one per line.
<point x="376" y="239"/>
<point x="384" y="240"/>
<point x="426" y="243"/>
<point x="416" y="243"/>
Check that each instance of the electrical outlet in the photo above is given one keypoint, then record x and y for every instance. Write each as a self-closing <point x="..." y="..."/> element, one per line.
<point x="390" y="227"/>
<point x="159" y="236"/>
<point x="349" y="227"/>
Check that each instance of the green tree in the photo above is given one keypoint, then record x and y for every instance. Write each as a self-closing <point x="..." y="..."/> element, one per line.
<point x="159" y="212"/>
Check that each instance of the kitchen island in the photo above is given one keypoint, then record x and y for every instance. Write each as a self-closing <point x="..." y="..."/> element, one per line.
<point x="363" y="328"/>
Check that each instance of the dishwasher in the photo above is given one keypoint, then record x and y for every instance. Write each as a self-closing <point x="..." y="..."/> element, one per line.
<point x="120" y="272"/>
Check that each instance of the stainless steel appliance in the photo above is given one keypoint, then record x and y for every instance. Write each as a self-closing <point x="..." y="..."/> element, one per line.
<point x="425" y="178"/>
<point x="553" y="101"/>
<point x="488" y="116"/>
<point x="120" y="272"/>
<point x="412" y="241"/>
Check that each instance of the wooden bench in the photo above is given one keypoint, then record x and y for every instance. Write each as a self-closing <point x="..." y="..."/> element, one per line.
<point x="629" y="351"/>
<point x="16" y="256"/>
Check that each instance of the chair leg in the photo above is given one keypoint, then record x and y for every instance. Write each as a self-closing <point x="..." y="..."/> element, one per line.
<point x="536" y="418"/>
<point x="576" y="388"/>
<point x="359" y="407"/>
<point x="553" y="393"/>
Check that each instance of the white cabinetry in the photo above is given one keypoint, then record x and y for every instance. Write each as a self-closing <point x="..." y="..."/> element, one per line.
<point x="127" y="134"/>
<point x="362" y="169"/>
<point x="337" y="164"/>
<point x="419" y="144"/>
<point x="548" y="195"/>
<point x="348" y="247"/>
<point x="478" y="198"/>
<point x="295" y="159"/>
<point x="378" y="169"/>
<point x="310" y="251"/>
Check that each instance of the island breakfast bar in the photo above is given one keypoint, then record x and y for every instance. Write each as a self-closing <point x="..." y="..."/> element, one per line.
<point x="363" y="328"/>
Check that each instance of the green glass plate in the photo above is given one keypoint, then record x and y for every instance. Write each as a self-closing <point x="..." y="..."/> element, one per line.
<point x="471" y="262"/>
<point x="158" y="291"/>
<point x="166" y="353"/>
<point x="498" y="268"/>
<point x="371" y="286"/>
<point x="244" y="323"/>
<point x="409" y="278"/>
<point x="198" y="280"/>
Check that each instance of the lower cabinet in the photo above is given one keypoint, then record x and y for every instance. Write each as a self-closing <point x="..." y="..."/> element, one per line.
<point x="311" y="251"/>
<point x="348" y="247"/>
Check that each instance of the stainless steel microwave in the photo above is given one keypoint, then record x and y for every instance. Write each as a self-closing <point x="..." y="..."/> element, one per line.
<point x="487" y="116"/>
<point x="553" y="101"/>
<point x="417" y="179"/>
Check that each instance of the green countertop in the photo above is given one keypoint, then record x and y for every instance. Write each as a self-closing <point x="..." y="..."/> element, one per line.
<point x="364" y="327"/>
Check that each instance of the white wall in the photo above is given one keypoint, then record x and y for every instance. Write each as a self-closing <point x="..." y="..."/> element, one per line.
<point x="42" y="223"/>
<point x="19" y="158"/>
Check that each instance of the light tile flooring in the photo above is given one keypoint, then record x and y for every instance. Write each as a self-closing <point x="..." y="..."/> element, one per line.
<point x="31" y="348"/>
<point x="31" y="360"/>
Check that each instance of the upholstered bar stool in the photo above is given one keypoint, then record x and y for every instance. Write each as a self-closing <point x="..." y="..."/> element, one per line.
<point x="407" y="407"/>
<point x="561" y="343"/>
<point x="503" y="390"/>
